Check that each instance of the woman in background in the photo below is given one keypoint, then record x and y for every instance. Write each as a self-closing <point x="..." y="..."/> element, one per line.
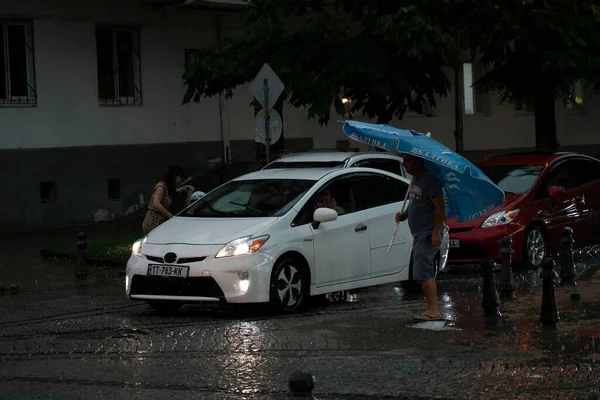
<point x="162" y="197"/>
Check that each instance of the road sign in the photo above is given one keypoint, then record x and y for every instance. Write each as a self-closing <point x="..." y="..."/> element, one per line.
<point x="274" y="84"/>
<point x="275" y="127"/>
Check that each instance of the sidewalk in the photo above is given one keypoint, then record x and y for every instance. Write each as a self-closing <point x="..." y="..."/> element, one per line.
<point x="23" y="264"/>
<point x="575" y="340"/>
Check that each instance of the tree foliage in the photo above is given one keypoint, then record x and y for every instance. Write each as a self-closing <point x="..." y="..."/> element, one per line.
<point x="537" y="51"/>
<point x="388" y="56"/>
<point x="385" y="56"/>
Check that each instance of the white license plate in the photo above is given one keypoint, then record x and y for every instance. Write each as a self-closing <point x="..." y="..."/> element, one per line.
<point x="168" y="270"/>
<point x="454" y="243"/>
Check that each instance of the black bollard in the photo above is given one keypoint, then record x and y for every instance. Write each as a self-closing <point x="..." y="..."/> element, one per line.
<point x="489" y="297"/>
<point x="567" y="262"/>
<point x="549" y="314"/>
<point x="301" y="386"/>
<point x="507" y="282"/>
<point x="81" y="270"/>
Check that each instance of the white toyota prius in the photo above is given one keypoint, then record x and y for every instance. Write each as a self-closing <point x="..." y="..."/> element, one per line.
<point x="266" y="237"/>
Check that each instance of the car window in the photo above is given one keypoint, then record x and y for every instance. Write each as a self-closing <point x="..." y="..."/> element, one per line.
<point x="342" y="191"/>
<point x="562" y="175"/>
<point x="584" y="171"/>
<point x="513" y="179"/>
<point x="378" y="190"/>
<point x="384" y="164"/>
<point x="252" y="198"/>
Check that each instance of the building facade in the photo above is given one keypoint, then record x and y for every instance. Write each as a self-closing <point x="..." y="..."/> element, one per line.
<point x="91" y="108"/>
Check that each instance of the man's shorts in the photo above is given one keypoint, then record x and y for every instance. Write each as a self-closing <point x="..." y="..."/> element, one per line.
<point x="423" y="257"/>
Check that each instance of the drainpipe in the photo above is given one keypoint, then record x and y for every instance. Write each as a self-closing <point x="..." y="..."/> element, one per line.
<point x="223" y="108"/>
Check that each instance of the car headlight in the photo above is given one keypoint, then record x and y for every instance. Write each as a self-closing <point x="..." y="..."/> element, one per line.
<point x="245" y="245"/>
<point x="500" y="218"/>
<point x="137" y="247"/>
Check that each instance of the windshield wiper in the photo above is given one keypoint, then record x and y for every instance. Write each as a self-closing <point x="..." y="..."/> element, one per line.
<point x="215" y="210"/>
<point x="245" y="206"/>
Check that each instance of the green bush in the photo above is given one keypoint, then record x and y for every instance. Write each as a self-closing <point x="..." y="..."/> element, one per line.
<point x="114" y="250"/>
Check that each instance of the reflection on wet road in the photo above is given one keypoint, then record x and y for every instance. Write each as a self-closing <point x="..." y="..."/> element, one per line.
<point x="88" y="342"/>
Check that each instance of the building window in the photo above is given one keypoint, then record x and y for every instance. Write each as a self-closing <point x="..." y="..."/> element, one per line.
<point x="475" y="102"/>
<point x="578" y="102"/>
<point x="114" y="189"/>
<point x="524" y="107"/>
<point x="47" y="192"/>
<point x="427" y="110"/>
<point x="118" y="59"/>
<point x="17" y="76"/>
<point x="192" y="56"/>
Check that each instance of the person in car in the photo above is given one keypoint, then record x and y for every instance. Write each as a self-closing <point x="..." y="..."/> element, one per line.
<point x="324" y="199"/>
<point x="426" y="215"/>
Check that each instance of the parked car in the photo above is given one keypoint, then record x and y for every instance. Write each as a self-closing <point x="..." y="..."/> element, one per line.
<point x="389" y="162"/>
<point x="545" y="192"/>
<point x="261" y="238"/>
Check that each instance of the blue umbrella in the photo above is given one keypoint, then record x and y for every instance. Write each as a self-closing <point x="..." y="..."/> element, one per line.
<point x="468" y="193"/>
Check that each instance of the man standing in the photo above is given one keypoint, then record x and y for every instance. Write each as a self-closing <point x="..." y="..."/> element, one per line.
<point x="426" y="215"/>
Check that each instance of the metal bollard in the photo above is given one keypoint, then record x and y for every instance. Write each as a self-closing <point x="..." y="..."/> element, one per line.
<point x="549" y="313"/>
<point x="301" y="386"/>
<point x="507" y="282"/>
<point x="489" y="297"/>
<point x="81" y="270"/>
<point x="567" y="262"/>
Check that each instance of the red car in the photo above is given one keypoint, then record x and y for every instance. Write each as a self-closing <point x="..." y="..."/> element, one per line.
<point x="545" y="192"/>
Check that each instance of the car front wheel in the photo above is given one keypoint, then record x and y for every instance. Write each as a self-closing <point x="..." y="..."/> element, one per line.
<point x="535" y="247"/>
<point x="289" y="287"/>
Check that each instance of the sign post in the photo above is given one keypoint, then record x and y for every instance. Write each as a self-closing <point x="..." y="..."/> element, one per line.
<point x="267" y="88"/>
<point x="267" y="122"/>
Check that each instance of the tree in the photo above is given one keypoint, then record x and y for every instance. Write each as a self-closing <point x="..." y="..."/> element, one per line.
<point x="386" y="56"/>
<point x="538" y="49"/>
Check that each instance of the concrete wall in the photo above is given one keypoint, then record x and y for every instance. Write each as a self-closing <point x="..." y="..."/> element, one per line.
<point x="70" y="139"/>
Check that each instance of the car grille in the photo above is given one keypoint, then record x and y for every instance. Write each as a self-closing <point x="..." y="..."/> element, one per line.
<point x="204" y="286"/>
<point x="468" y="251"/>
<point x="180" y="261"/>
<point x="459" y="230"/>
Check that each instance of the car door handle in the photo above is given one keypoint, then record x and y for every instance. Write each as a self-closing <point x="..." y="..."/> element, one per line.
<point x="360" y="228"/>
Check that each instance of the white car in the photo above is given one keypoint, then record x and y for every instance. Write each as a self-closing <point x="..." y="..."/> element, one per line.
<point x="390" y="162"/>
<point x="263" y="238"/>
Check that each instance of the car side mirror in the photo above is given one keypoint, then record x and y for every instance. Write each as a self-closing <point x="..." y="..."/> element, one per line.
<point x="554" y="191"/>
<point x="323" y="214"/>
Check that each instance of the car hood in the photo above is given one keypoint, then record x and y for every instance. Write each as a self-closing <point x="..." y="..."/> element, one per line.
<point x="198" y="231"/>
<point x="511" y="201"/>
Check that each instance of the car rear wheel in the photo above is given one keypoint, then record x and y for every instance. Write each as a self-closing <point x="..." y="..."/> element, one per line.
<point x="534" y="247"/>
<point x="289" y="289"/>
<point x="165" y="306"/>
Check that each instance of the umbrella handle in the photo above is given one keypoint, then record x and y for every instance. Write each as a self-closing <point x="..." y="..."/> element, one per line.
<point x="393" y="237"/>
<point x="398" y="223"/>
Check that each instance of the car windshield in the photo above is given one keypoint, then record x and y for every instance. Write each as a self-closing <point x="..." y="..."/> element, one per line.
<point x="513" y="179"/>
<point x="305" y="164"/>
<point x="251" y="198"/>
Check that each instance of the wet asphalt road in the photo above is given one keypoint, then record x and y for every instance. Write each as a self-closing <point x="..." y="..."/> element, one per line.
<point x="87" y="341"/>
